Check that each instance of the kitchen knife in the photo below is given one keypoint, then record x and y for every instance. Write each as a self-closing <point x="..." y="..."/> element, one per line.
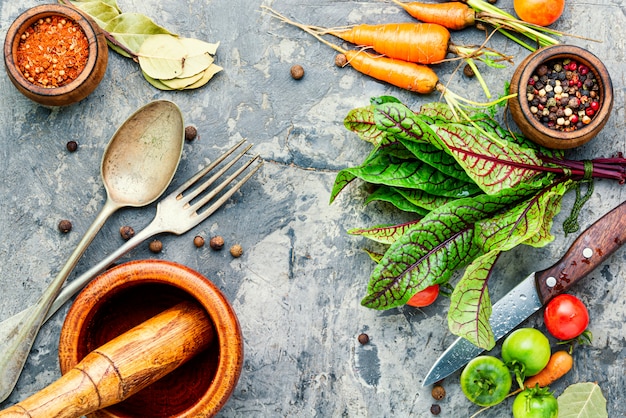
<point x="587" y="252"/>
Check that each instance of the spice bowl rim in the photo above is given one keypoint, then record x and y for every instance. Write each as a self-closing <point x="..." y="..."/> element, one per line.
<point x="88" y="79"/>
<point x="113" y="282"/>
<point x="537" y="131"/>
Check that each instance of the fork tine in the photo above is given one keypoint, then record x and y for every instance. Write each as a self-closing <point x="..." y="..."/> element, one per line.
<point x="206" y="169"/>
<point x="219" y="202"/>
<point x="202" y="187"/>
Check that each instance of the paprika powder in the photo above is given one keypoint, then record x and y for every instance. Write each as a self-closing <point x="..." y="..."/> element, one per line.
<point x="52" y="52"/>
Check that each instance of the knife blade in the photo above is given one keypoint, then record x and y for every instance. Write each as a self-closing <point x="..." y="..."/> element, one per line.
<point x="590" y="249"/>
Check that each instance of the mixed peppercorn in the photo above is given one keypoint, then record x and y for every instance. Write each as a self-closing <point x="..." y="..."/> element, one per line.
<point x="563" y="95"/>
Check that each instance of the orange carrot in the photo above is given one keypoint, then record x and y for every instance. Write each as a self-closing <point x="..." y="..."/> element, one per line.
<point x="559" y="364"/>
<point x="423" y="43"/>
<point x="453" y="15"/>
<point x="406" y="75"/>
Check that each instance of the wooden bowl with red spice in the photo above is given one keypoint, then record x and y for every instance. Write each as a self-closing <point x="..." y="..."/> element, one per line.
<point x="55" y="55"/>
<point x="564" y="96"/>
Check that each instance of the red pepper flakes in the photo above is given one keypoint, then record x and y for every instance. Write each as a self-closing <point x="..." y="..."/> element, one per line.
<point x="52" y="52"/>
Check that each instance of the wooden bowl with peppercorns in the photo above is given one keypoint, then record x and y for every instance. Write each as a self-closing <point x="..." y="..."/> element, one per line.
<point x="131" y="293"/>
<point x="55" y="55"/>
<point x="564" y="96"/>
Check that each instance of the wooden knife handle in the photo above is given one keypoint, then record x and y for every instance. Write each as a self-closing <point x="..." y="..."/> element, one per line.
<point x="123" y="366"/>
<point x="587" y="252"/>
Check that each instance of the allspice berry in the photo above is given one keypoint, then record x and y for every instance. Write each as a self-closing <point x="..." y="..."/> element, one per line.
<point x="71" y="146"/>
<point x="198" y="241"/>
<point x="216" y="242"/>
<point x="341" y="60"/>
<point x="156" y="246"/>
<point x="468" y="71"/>
<point x="438" y="392"/>
<point x="435" y="409"/>
<point x="127" y="232"/>
<point x="236" y="250"/>
<point x="364" y="338"/>
<point x="297" y="72"/>
<point x="190" y="133"/>
<point x="65" y="226"/>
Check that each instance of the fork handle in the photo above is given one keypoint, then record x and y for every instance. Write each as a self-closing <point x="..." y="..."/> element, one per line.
<point x="123" y="366"/>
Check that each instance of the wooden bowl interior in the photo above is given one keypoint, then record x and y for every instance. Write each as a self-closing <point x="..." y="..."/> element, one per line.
<point x="123" y="310"/>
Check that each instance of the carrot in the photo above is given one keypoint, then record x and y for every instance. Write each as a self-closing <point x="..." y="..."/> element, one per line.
<point x="423" y="43"/>
<point x="559" y="364"/>
<point x="453" y="15"/>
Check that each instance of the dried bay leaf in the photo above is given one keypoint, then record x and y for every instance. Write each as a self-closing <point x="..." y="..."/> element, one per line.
<point x="162" y="56"/>
<point x="180" y="83"/>
<point x="206" y="76"/>
<point x="156" y="83"/>
<point x="132" y="30"/>
<point x="199" y="55"/>
<point x="100" y="11"/>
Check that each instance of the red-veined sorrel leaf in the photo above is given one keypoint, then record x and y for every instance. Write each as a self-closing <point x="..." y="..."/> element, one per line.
<point x="393" y="196"/>
<point x="423" y="199"/>
<point x="436" y="158"/>
<point x="386" y="234"/>
<point x="376" y="257"/>
<point x="343" y="178"/>
<point x="361" y="121"/>
<point x="470" y="305"/>
<point x="434" y="248"/>
<point x="492" y="165"/>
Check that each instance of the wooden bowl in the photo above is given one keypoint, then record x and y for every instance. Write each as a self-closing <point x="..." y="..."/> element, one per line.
<point x="131" y="293"/>
<point x="537" y="131"/>
<point x="84" y="83"/>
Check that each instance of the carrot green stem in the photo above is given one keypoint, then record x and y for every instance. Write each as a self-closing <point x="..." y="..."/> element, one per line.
<point x="479" y="77"/>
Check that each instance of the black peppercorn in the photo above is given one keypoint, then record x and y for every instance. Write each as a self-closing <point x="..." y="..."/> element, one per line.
<point x="72" y="146"/>
<point x="435" y="409"/>
<point x="65" y="226"/>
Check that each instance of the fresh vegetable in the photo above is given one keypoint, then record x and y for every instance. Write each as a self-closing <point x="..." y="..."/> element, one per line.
<point x="559" y="364"/>
<point x="401" y="44"/>
<point x="486" y="380"/>
<point x="526" y="351"/>
<point x="535" y="403"/>
<point x="425" y="297"/>
<point x="539" y="12"/>
<point x="464" y="13"/>
<point x="566" y="317"/>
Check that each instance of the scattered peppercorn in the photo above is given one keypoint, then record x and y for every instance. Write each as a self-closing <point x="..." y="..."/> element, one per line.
<point x="435" y="409"/>
<point x="364" y="338"/>
<point x="127" y="232"/>
<point x="438" y="392"/>
<point x="297" y="72"/>
<point x="236" y="250"/>
<point x="198" y="241"/>
<point x="468" y="71"/>
<point x="563" y="95"/>
<point x="190" y="133"/>
<point x="72" y="146"/>
<point x="216" y="242"/>
<point x="156" y="246"/>
<point x="65" y="226"/>
<point x="341" y="60"/>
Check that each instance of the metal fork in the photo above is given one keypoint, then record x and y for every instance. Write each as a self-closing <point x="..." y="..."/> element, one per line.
<point x="177" y="213"/>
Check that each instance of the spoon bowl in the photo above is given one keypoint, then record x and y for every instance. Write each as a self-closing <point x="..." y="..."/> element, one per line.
<point x="137" y="167"/>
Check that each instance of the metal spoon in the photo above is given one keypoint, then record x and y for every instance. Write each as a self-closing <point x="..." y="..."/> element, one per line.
<point x="137" y="166"/>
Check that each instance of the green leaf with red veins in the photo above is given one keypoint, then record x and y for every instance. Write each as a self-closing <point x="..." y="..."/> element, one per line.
<point x="385" y="234"/>
<point x="430" y="252"/>
<point x="470" y="305"/>
<point x="361" y="121"/>
<point x="492" y="165"/>
<point x="423" y="199"/>
<point x="393" y="196"/>
<point x="385" y="166"/>
<point x="343" y="178"/>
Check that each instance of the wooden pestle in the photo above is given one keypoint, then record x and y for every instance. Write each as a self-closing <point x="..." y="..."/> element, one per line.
<point x="123" y="366"/>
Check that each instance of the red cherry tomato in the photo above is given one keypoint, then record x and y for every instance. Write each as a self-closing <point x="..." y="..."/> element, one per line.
<point x="566" y="317"/>
<point x="539" y="12"/>
<point x="424" y="297"/>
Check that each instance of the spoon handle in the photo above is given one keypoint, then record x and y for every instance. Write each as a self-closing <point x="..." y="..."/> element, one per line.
<point x="20" y="335"/>
<point x="123" y="366"/>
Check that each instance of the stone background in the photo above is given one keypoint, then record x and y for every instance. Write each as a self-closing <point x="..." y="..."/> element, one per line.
<point x="298" y="286"/>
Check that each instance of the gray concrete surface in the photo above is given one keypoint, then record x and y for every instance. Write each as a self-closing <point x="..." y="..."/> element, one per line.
<point x="298" y="286"/>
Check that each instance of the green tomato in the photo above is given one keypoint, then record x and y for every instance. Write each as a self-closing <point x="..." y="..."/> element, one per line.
<point x="486" y="380"/>
<point x="528" y="348"/>
<point x="535" y="403"/>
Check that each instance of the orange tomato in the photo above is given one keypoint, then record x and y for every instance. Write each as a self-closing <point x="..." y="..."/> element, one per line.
<point x="424" y="297"/>
<point x="539" y="12"/>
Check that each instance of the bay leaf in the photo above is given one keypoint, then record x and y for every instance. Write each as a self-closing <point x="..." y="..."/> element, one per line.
<point x="199" y="55"/>
<point x="102" y="12"/>
<point x="156" y="83"/>
<point x="131" y="30"/>
<point x="206" y="76"/>
<point x="582" y="400"/>
<point x="180" y="83"/>
<point x="162" y="56"/>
